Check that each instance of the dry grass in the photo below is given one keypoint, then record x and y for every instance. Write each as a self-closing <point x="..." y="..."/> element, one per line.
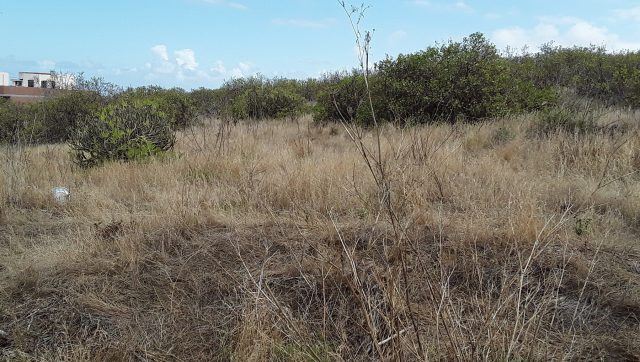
<point x="274" y="245"/>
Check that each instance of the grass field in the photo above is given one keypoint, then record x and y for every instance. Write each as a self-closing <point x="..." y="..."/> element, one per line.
<point x="272" y="241"/>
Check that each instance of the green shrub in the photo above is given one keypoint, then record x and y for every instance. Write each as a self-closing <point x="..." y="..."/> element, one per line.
<point x="502" y="135"/>
<point x="466" y="80"/>
<point x="342" y="100"/>
<point x="210" y="102"/>
<point x="124" y="131"/>
<point x="593" y="72"/>
<point x="60" y="113"/>
<point x="261" y="98"/>
<point x="175" y="103"/>
<point x="571" y="114"/>
<point x="15" y="121"/>
<point x="48" y="121"/>
<point x="458" y="80"/>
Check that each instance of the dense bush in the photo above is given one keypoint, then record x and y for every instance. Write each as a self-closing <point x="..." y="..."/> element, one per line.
<point x="48" y="121"/>
<point x="210" y="102"/>
<point x="346" y="99"/>
<point x="612" y="78"/>
<point x="61" y="112"/>
<point x="261" y="98"/>
<point x="124" y="131"/>
<point x="342" y="100"/>
<point x="15" y="121"/>
<point x="175" y="103"/>
<point x="466" y="80"/>
<point x="572" y="113"/>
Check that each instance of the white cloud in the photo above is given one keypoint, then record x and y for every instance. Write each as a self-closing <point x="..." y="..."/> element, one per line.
<point x="219" y="68"/>
<point x="245" y="66"/>
<point x="184" y="67"/>
<point x="161" y="51"/>
<point x="242" y="70"/>
<point x="186" y="59"/>
<point x="237" y="6"/>
<point x="628" y="14"/>
<point x="565" y="31"/>
<point x="305" y="23"/>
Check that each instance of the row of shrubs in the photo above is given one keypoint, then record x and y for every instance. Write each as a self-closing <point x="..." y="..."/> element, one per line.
<point x="471" y="80"/>
<point x="456" y="81"/>
<point x="467" y="80"/>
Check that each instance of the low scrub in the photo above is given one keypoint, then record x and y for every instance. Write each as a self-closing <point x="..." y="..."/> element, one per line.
<point x="466" y="80"/>
<point x="176" y="104"/>
<point x="261" y="98"/>
<point x="123" y="132"/>
<point x="572" y="114"/>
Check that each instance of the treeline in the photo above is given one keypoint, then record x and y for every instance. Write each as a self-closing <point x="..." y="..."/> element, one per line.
<point x="457" y="81"/>
<point x="471" y="80"/>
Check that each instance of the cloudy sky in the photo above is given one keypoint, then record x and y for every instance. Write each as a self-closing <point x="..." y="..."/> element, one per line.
<point x="194" y="43"/>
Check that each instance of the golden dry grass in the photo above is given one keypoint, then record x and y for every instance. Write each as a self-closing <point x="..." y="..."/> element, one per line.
<point x="274" y="245"/>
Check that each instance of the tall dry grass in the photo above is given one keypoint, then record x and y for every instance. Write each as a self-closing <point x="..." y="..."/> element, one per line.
<point x="270" y="242"/>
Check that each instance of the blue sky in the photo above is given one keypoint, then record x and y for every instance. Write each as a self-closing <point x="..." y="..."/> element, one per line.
<point x="193" y="43"/>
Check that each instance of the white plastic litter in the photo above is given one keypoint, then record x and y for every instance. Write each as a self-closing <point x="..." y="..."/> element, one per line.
<point x="61" y="194"/>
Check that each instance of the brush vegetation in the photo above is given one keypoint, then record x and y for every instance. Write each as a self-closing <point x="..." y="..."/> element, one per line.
<point x="453" y="204"/>
<point x="271" y="243"/>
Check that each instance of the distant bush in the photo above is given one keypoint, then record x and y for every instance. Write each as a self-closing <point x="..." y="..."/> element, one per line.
<point x="209" y="102"/>
<point x="611" y="78"/>
<point x="175" y="103"/>
<point x="15" y="120"/>
<point x="458" y="80"/>
<point x="572" y="113"/>
<point x="466" y="80"/>
<point x="48" y="121"/>
<point x="124" y="131"/>
<point x="342" y="100"/>
<point x="261" y="98"/>
<point x="59" y="114"/>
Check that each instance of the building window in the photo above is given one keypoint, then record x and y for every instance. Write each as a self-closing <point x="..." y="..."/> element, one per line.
<point x="43" y="84"/>
<point x="31" y="83"/>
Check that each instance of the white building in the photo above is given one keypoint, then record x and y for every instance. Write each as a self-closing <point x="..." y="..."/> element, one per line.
<point x="4" y="79"/>
<point x="35" y="80"/>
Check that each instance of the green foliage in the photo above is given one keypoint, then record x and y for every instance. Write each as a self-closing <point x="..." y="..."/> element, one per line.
<point x="15" y="120"/>
<point x="210" y="102"/>
<point x="466" y="80"/>
<point x="502" y="135"/>
<point x="60" y="113"/>
<point x="261" y="98"/>
<point x="572" y="113"/>
<point x="458" y="80"/>
<point x="341" y="101"/>
<point x="124" y="131"/>
<point x="175" y="103"/>
<point x="48" y="121"/>
<point x="583" y="225"/>
<point x="611" y="78"/>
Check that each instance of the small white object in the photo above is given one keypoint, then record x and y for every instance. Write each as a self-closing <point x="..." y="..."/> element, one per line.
<point x="61" y="194"/>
